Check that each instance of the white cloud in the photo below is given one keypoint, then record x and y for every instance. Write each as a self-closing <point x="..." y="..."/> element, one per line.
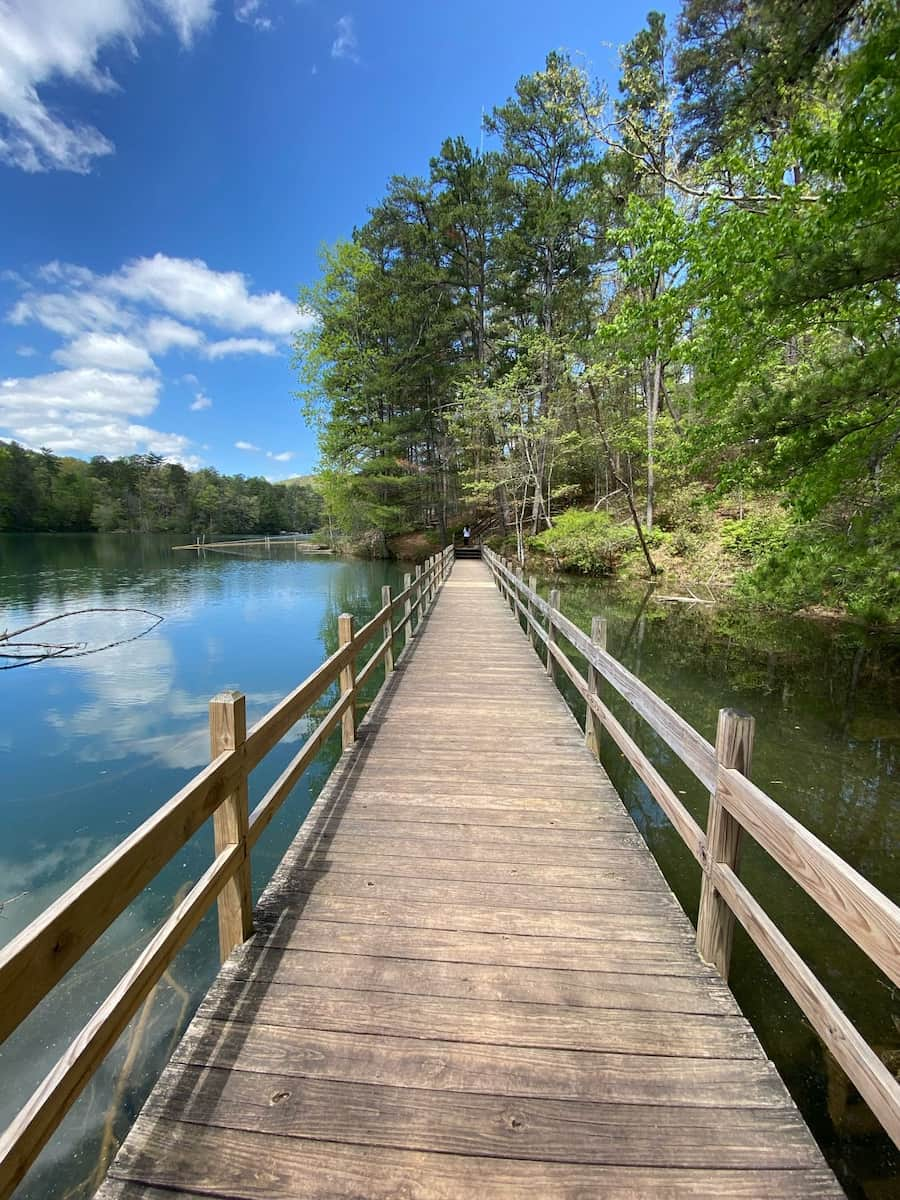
<point x="240" y="346"/>
<point x="190" y="380"/>
<point x="26" y="351"/>
<point x="113" y="351"/>
<point x="285" y="456"/>
<point x="46" y="42"/>
<point x="250" y="12"/>
<point x="346" y="44"/>
<point x="87" y="410"/>
<point x="193" y="291"/>
<point x="246" y="446"/>
<point x="68" y="313"/>
<point x="201" y="402"/>
<point x="162" y="333"/>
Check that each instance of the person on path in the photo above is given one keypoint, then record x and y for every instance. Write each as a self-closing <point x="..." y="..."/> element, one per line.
<point x="467" y="533"/>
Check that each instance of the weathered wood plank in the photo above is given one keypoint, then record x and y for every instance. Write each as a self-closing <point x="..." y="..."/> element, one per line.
<point x="250" y="1166"/>
<point x="535" y="922"/>
<point x="495" y="1070"/>
<point x="564" y="953"/>
<point x="475" y="981"/>
<point x="532" y="1128"/>
<point x="495" y="1022"/>
<point x="557" y="898"/>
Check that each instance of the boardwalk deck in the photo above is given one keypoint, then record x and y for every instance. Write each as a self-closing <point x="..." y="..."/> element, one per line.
<point x="469" y="977"/>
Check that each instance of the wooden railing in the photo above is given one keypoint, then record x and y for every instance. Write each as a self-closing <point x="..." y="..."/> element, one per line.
<point x="37" y="959"/>
<point x="735" y="806"/>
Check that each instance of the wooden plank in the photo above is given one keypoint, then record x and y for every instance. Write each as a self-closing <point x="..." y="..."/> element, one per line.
<point x="535" y="922"/>
<point x="441" y="810"/>
<point x="460" y="840"/>
<point x="536" y="985"/>
<point x="375" y="836"/>
<point x="648" y="958"/>
<point x="495" y="1070"/>
<point x="253" y="1166"/>
<point x="864" y="913"/>
<point x="531" y="1128"/>
<point x="634" y="878"/>
<point x="371" y="886"/>
<point x="387" y="1014"/>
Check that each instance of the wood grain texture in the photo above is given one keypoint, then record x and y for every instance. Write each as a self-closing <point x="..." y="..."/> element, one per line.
<point x="228" y="731"/>
<point x="183" y="1157"/>
<point x="469" y="976"/>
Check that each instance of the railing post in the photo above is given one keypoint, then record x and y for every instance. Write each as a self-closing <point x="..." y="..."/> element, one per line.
<point x="532" y="585"/>
<point x="715" y="920"/>
<point x="387" y="631"/>
<point x="516" y="596"/>
<point x="551" y="634"/>
<point x="228" y="731"/>
<point x="592" y="723"/>
<point x="407" y="609"/>
<point x="418" y="598"/>
<point x="347" y="683"/>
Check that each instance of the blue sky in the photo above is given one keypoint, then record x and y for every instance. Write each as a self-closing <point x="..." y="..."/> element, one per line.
<point x="169" y="170"/>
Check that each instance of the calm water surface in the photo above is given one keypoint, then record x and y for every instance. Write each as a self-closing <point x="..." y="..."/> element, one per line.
<point x="90" y="747"/>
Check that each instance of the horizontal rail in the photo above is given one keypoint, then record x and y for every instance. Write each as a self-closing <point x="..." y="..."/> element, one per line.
<point x="38" y="957"/>
<point x="42" y="1113"/>
<point x="693" y="749"/>
<point x="34" y="962"/>
<point x="875" y="1083"/>
<point x="864" y="913"/>
<point x="858" y="908"/>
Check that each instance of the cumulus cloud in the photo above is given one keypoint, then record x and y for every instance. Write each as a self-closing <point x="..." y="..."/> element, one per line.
<point x="201" y="402"/>
<point x="162" y="333"/>
<point x="111" y="327"/>
<point x="240" y="346"/>
<point x="246" y="446"/>
<point x="193" y="291"/>
<point x="284" y="456"/>
<point x="86" y="410"/>
<point x="111" y="350"/>
<point x="346" y="43"/>
<point x="45" y="43"/>
<point x="26" y="351"/>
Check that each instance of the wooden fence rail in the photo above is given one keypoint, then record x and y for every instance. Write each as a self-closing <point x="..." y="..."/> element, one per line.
<point x="736" y="806"/>
<point x="34" y="962"/>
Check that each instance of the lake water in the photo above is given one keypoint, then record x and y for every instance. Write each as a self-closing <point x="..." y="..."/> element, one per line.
<point x="89" y="747"/>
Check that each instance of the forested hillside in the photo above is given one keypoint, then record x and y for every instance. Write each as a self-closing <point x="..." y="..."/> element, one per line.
<point x="667" y="304"/>
<point x="143" y="494"/>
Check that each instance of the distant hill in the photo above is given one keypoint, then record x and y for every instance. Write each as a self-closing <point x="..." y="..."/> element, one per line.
<point x="300" y="481"/>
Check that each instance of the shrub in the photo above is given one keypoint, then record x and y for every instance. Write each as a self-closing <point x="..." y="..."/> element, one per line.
<point x="757" y="536"/>
<point x="588" y="542"/>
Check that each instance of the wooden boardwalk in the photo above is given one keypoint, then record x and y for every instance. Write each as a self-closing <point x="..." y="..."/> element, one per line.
<point x="469" y="978"/>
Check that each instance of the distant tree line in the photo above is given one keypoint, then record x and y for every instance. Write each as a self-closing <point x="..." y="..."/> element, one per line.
<point x="683" y="292"/>
<point x="40" y="492"/>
